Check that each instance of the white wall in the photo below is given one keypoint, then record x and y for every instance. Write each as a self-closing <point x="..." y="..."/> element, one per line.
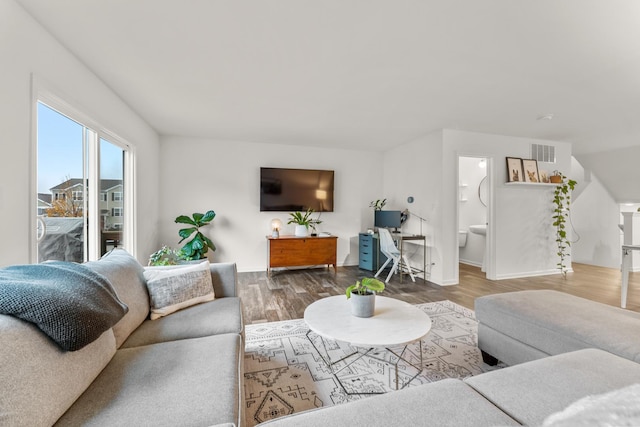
<point x="415" y="169"/>
<point x="520" y="217"/>
<point x="595" y="216"/>
<point x="202" y="174"/>
<point x="27" y="49"/>
<point x="523" y="239"/>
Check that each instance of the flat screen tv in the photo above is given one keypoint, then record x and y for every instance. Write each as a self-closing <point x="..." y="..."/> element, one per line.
<point x="289" y="190"/>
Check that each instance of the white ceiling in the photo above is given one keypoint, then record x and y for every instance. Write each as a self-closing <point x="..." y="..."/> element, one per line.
<point x="365" y="74"/>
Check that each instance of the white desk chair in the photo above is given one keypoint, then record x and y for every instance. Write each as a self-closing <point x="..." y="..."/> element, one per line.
<point x="389" y="249"/>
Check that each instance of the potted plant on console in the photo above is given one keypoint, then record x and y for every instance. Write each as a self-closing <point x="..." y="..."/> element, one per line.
<point x="363" y="296"/>
<point x="303" y="221"/>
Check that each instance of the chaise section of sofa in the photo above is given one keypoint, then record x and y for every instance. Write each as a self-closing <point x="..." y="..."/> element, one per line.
<point x="516" y="327"/>
<point x="525" y="394"/>
<point x="444" y="403"/>
<point x="182" y="369"/>
<point x="532" y="391"/>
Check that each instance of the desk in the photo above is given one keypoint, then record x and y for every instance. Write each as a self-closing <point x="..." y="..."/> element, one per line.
<point x="370" y="257"/>
<point x="416" y="239"/>
<point x="626" y="261"/>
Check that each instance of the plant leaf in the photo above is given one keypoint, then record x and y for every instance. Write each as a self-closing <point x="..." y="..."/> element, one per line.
<point x="197" y="218"/>
<point x="183" y="219"/>
<point x="186" y="232"/>
<point x="208" y="217"/>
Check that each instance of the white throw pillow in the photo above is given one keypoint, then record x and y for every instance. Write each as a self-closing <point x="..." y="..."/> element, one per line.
<point x="176" y="288"/>
<point x="616" y="408"/>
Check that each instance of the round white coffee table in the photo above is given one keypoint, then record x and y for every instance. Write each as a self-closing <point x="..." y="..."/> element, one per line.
<point x="395" y="323"/>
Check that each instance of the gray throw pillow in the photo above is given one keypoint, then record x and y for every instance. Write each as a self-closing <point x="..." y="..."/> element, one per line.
<point x="69" y="302"/>
<point x="173" y="289"/>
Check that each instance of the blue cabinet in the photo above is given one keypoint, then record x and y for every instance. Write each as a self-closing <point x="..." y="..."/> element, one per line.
<point x="370" y="257"/>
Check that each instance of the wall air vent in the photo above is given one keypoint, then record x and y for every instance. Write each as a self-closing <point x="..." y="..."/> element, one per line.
<point x="543" y="153"/>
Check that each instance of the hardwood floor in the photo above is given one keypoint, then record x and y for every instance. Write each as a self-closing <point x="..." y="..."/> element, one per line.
<point x="287" y="293"/>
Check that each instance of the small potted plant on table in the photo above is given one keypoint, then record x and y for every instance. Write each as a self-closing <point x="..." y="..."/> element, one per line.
<point x="363" y="294"/>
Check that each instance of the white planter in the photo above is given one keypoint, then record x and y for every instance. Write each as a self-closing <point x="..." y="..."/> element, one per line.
<point x="301" y="231"/>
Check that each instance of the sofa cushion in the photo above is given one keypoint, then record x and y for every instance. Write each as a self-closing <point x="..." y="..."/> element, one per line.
<point x="125" y="274"/>
<point x="189" y="382"/>
<point x="532" y="391"/>
<point x="174" y="289"/>
<point x="69" y="302"/>
<point x="444" y="403"/>
<point x="221" y="316"/>
<point x="39" y="380"/>
<point x="555" y="322"/>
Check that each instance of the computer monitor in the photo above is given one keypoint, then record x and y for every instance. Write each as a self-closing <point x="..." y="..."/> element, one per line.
<point x="388" y="219"/>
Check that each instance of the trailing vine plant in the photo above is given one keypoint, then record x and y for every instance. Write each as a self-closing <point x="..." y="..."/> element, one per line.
<point x="561" y="211"/>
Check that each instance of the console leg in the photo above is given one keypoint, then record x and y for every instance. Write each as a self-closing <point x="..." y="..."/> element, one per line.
<point x="488" y="359"/>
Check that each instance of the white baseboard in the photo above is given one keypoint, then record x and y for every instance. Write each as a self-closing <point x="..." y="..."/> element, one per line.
<point x="531" y="274"/>
<point x="472" y="263"/>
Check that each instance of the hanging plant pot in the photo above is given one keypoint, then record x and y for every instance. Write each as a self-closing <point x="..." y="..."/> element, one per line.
<point x="301" y="231"/>
<point x="363" y="305"/>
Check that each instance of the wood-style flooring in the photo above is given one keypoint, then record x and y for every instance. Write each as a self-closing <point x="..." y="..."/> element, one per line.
<point x="286" y="293"/>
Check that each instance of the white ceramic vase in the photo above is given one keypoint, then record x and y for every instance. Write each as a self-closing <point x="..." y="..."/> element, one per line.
<point x="301" y="231"/>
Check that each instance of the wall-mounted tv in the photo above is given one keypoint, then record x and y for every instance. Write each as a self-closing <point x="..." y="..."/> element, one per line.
<point x="289" y="190"/>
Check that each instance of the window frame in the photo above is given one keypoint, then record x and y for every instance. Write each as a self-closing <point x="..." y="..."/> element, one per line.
<point x="42" y="93"/>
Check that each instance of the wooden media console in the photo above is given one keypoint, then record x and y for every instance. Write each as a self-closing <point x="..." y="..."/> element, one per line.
<point x="293" y="251"/>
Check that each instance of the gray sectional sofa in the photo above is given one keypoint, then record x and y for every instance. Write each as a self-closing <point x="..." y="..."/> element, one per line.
<point x="517" y="327"/>
<point x="559" y="373"/>
<point x="183" y="369"/>
<point x="186" y="368"/>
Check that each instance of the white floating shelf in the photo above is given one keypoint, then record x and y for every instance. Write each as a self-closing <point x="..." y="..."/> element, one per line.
<point x="533" y="184"/>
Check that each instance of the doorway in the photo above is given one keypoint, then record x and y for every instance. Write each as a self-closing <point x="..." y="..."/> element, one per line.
<point x="473" y="210"/>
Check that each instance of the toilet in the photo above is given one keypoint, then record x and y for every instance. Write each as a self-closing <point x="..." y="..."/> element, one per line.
<point x="462" y="238"/>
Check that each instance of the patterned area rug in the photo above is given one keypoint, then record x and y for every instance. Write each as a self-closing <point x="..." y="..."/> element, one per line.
<point x="285" y="374"/>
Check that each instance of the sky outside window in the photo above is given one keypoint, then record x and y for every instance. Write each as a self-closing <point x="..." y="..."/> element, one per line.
<point x="60" y="151"/>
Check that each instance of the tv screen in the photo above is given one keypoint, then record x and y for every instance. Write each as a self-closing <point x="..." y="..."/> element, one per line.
<point x="388" y="219"/>
<point x="289" y="190"/>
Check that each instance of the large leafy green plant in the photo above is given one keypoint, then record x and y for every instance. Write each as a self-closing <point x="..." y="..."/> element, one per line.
<point x="199" y="245"/>
<point x="561" y="212"/>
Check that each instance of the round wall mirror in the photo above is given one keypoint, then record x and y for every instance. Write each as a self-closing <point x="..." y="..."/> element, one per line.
<point x="482" y="191"/>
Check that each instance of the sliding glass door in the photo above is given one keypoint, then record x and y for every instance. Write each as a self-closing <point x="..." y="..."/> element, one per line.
<point x="80" y="189"/>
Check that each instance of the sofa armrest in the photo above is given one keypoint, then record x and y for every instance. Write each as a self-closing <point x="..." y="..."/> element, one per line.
<point x="225" y="279"/>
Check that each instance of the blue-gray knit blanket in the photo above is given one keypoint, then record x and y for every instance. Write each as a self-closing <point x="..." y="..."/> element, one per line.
<point x="69" y="302"/>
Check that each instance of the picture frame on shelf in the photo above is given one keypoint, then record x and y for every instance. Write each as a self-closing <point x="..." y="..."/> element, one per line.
<point x="514" y="169"/>
<point x="544" y="176"/>
<point x="530" y="167"/>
